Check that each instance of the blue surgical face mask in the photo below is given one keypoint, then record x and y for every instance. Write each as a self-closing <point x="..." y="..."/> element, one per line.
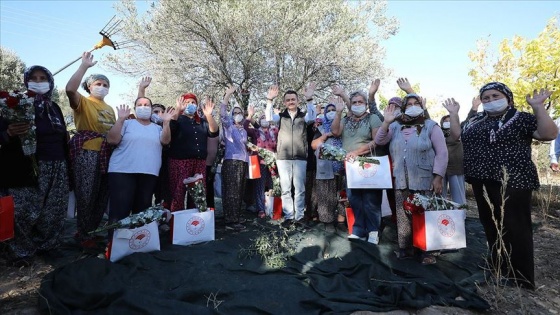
<point x="191" y="109"/>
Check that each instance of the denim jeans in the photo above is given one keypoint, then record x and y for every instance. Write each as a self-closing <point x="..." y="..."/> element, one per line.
<point x="366" y="204"/>
<point x="292" y="172"/>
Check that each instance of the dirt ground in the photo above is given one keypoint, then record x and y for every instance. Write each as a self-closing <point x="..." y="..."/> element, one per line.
<point x="19" y="286"/>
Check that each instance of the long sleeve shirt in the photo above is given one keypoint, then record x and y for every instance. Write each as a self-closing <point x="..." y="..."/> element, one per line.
<point x="234" y="136"/>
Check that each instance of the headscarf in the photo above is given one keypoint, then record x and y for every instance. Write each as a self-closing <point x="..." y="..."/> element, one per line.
<point x="43" y="103"/>
<point x="509" y="113"/>
<point x="395" y="100"/>
<point x="92" y="78"/>
<point x="196" y="115"/>
<point x="446" y="132"/>
<point x="158" y="106"/>
<point x="406" y="120"/>
<point x="326" y="122"/>
<point x="231" y="112"/>
<point x="499" y="87"/>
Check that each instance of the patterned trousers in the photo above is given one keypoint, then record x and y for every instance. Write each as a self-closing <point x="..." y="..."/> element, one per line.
<point x="178" y="171"/>
<point x="404" y="221"/>
<point x="92" y="192"/>
<point x="40" y="211"/>
<point x="233" y="177"/>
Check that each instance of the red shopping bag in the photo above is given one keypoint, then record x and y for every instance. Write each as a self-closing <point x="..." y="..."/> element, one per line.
<point x="273" y="207"/>
<point x="6" y="218"/>
<point x="350" y="219"/>
<point x="254" y="167"/>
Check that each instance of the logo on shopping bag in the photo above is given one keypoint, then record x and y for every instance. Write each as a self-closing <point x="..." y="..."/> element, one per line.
<point x="368" y="170"/>
<point x="139" y="239"/>
<point x="446" y="225"/>
<point x="195" y="225"/>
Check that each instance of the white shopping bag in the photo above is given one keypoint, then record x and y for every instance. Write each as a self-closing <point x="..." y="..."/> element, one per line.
<point x="139" y="240"/>
<point x="369" y="175"/>
<point x="439" y="229"/>
<point x="191" y="227"/>
<point x="71" y="211"/>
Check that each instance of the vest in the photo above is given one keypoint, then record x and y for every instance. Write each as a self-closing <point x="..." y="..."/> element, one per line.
<point x="414" y="157"/>
<point x="292" y="137"/>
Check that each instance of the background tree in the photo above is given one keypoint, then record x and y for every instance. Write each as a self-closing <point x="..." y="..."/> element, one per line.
<point x="524" y="65"/>
<point x="11" y="70"/>
<point x="204" y="45"/>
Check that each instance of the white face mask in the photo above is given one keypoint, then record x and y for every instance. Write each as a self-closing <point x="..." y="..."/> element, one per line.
<point x="330" y="115"/>
<point x="496" y="106"/>
<point x="358" y="110"/>
<point x="99" y="91"/>
<point x="156" y="119"/>
<point x="414" y="111"/>
<point x="238" y="118"/>
<point x="39" y="87"/>
<point x="446" y="125"/>
<point x="143" y="112"/>
<point x="265" y="123"/>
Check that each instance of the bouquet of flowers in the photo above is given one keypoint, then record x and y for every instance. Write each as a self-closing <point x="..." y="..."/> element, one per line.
<point x="417" y="203"/>
<point x="18" y="107"/>
<point x="155" y="213"/>
<point x="196" y="189"/>
<point x="269" y="159"/>
<point x="332" y="153"/>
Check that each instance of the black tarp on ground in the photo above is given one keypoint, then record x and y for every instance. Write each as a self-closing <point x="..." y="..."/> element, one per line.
<point x="328" y="274"/>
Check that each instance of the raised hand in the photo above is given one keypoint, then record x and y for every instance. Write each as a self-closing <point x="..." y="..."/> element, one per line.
<point x="123" y="111"/>
<point x="180" y="105"/>
<point x="309" y="91"/>
<point x="87" y="59"/>
<point x="452" y="106"/>
<point x="168" y="114"/>
<point x="374" y="87"/>
<point x="250" y="111"/>
<point x="476" y="103"/>
<point x="389" y="113"/>
<point x="538" y="98"/>
<point x="272" y="92"/>
<point x="145" y="82"/>
<point x="337" y="90"/>
<point x="231" y="89"/>
<point x="339" y="104"/>
<point x="404" y="85"/>
<point x="208" y="106"/>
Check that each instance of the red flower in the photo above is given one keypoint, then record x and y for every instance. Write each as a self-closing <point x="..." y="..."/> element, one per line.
<point x="12" y="102"/>
<point x="4" y="94"/>
<point x="30" y="93"/>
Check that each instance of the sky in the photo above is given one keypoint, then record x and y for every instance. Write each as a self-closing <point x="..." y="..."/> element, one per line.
<point x="431" y="47"/>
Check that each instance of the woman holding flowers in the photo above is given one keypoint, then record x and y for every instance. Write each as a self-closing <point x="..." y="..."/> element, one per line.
<point x="498" y="165"/>
<point x="358" y="132"/>
<point x="328" y="181"/>
<point x="38" y="182"/>
<point x="89" y="150"/>
<point x="234" y="167"/>
<point x="188" y="149"/>
<point x="266" y="139"/>
<point x="135" y="163"/>
<point x="419" y="157"/>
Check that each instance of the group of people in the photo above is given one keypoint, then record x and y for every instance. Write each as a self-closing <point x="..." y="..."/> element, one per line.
<point x="120" y="161"/>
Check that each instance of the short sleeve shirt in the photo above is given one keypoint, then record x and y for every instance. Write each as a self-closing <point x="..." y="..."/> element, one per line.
<point x="95" y="115"/>
<point x="358" y="133"/>
<point x="487" y="151"/>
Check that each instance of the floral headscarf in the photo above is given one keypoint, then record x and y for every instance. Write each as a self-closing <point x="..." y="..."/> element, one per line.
<point x="43" y="103"/>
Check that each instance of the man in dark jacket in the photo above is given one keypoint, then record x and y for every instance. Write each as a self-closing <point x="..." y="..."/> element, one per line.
<point x="292" y="147"/>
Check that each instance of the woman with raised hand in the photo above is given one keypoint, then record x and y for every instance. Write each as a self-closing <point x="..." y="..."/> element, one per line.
<point x="135" y="163"/>
<point x="188" y="147"/>
<point x="454" y="179"/>
<point x="498" y="165"/>
<point x="419" y="158"/>
<point x="357" y="132"/>
<point x="89" y="151"/>
<point x="40" y="190"/>
<point x="234" y="167"/>
<point x="328" y="181"/>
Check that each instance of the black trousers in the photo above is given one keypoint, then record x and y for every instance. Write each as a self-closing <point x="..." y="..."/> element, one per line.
<point x="129" y="193"/>
<point x="516" y="229"/>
